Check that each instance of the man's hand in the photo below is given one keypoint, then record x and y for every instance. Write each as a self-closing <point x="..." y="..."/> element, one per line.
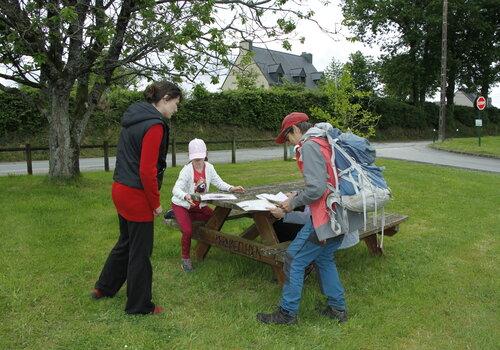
<point x="237" y="189"/>
<point x="278" y="213"/>
<point x="287" y="205"/>
<point x="158" y="211"/>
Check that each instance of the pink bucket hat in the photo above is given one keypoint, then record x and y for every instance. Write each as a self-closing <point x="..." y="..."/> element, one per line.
<point x="197" y="149"/>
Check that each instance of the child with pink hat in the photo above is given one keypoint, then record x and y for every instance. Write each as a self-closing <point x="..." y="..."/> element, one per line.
<point x="195" y="179"/>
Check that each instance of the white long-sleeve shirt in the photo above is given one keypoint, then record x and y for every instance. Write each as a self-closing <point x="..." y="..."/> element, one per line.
<point x="185" y="183"/>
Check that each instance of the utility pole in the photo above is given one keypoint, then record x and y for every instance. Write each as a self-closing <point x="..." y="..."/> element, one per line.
<point x="442" y="106"/>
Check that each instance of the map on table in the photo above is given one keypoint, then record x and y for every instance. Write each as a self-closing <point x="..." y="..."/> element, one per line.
<point x="273" y="198"/>
<point x="256" y="205"/>
<point x="217" y="196"/>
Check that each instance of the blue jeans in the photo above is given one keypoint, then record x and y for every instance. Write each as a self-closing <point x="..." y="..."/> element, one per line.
<point x="300" y="253"/>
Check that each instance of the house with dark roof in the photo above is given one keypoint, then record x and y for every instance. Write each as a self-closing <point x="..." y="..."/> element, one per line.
<point x="272" y="67"/>
<point x="463" y="98"/>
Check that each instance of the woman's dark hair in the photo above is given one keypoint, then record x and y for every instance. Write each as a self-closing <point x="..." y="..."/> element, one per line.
<point x="156" y="91"/>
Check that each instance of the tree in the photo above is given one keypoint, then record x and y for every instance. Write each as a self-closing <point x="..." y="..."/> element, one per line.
<point x="246" y="74"/>
<point x="344" y="110"/>
<point x="397" y="82"/>
<point x="480" y="63"/>
<point x="362" y="71"/>
<point x="408" y="32"/>
<point x="59" y="47"/>
<point x="333" y="71"/>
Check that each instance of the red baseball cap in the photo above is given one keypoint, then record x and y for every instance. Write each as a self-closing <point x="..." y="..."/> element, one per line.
<point x="291" y="119"/>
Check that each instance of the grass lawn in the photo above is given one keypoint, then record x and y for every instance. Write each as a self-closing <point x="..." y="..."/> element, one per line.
<point x="490" y="145"/>
<point x="437" y="287"/>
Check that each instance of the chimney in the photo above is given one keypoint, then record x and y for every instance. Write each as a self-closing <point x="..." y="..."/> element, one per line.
<point x="307" y="56"/>
<point x="246" y="45"/>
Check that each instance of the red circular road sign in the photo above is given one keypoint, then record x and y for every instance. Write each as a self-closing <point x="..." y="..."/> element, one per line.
<point x="480" y="103"/>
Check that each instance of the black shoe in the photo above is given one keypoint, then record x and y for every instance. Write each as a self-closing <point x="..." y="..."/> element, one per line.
<point x="334" y="314"/>
<point x="280" y="316"/>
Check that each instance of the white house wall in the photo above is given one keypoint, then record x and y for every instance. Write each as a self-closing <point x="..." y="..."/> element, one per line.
<point x="462" y="100"/>
<point x="230" y="83"/>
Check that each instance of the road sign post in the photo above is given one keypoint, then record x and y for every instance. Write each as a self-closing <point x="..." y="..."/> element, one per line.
<point x="479" y="104"/>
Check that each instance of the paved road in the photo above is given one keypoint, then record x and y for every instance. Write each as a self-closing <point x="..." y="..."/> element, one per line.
<point x="412" y="151"/>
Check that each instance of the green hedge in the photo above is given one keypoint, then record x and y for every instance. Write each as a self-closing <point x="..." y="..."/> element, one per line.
<point x="259" y="109"/>
<point x="20" y="115"/>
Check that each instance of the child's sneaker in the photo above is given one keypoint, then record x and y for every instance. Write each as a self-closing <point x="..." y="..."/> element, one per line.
<point x="169" y="217"/>
<point x="186" y="265"/>
<point x="169" y="214"/>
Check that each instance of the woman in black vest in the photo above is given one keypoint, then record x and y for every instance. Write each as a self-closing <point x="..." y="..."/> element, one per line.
<point x="140" y="163"/>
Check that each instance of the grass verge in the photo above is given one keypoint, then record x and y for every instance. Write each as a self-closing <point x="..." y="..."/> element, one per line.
<point x="437" y="286"/>
<point x="490" y="146"/>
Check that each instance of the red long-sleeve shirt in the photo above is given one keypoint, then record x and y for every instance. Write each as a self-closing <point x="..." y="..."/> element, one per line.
<point x="136" y="204"/>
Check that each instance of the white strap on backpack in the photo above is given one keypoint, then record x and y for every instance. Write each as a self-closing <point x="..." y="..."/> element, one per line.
<point x="367" y="197"/>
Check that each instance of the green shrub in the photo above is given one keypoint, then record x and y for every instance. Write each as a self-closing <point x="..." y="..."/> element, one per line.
<point x="19" y="114"/>
<point x="258" y="109"/>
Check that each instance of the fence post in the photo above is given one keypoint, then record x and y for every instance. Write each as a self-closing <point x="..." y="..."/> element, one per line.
<point x="174" y="151"/>
<point x="233" y="151"/>
<point x="29" y="163"/>
<point x="285" y="152"/>
<point x="105" y="147"/>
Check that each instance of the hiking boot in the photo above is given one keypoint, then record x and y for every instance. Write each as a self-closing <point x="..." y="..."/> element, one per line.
<point x="186" y="265"/>
<point x="279" y="316"/>
<point x="334" y="314"/>
<point x="97" y="294"/>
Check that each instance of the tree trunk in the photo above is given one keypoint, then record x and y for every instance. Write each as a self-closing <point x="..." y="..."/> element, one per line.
<point x="450" y="96"/>
<point x="485" y="88"/>
<point x="64" y="150"/>
<point x="422" y="95"/>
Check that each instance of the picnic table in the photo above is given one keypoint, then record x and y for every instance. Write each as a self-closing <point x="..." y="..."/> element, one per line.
<point x="268" y="249"/>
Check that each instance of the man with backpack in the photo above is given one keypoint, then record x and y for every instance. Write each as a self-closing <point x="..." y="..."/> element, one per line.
<point x="316" y="241"/>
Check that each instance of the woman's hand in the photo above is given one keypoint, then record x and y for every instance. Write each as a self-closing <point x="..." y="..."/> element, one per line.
<point x="237" y="189"/>
<point x="158" y="211"/>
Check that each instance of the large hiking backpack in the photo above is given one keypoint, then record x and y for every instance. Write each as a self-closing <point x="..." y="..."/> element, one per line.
<point x="360" y="185"/>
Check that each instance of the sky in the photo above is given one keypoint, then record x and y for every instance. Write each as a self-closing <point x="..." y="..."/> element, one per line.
<point x="324" y="48"/>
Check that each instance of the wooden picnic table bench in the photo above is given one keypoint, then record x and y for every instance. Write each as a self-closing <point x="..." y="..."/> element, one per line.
<point x="268" y="250"/>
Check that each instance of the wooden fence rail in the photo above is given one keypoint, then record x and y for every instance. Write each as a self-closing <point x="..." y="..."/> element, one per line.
<point x="28" y="149"/>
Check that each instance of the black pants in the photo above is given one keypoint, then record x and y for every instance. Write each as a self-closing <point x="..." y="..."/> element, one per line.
<point x="130" y="260"/>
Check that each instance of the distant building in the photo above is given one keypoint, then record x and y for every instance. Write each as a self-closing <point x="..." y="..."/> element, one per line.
<point x="463" y="98"/>
<point x="274" y="67"/>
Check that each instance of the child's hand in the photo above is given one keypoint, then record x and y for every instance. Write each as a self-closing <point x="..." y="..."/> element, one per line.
<point x="237" y="189"/>
<point x="189" y="199"/>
